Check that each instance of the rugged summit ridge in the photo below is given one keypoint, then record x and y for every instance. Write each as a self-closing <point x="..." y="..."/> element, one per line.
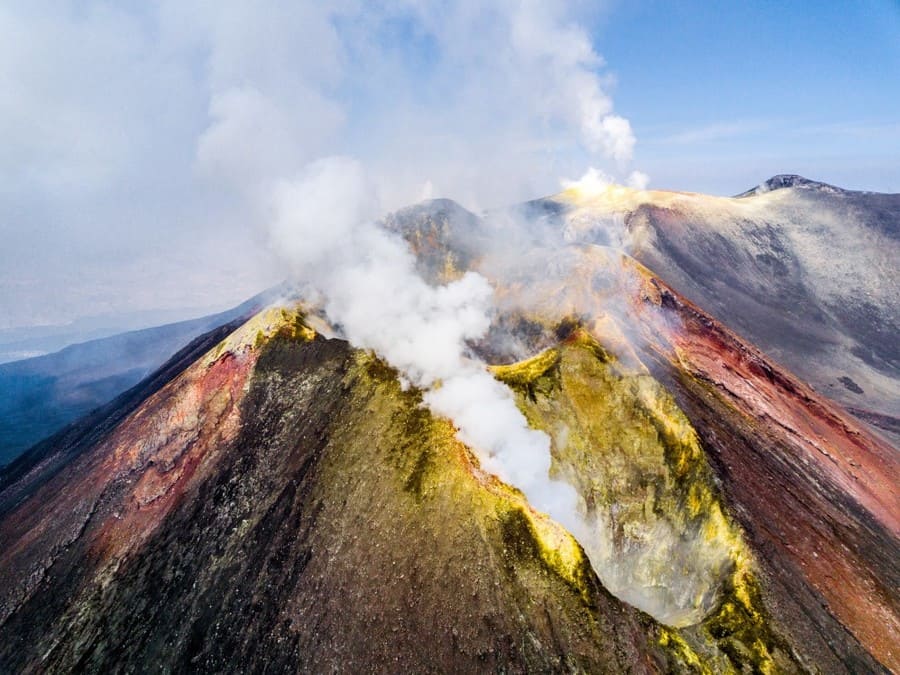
<point x="789" y="180"/>
<point x="808" y="275"/>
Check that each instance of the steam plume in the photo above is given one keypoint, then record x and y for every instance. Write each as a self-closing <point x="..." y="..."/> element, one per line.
<point x="370" y="287"/>
<point x="537" y="81"/>
<point x="483" y="140"/>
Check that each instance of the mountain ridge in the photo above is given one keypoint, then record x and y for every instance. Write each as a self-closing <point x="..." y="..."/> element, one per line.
<point x="790" y="180"/>
<point x="276" y="497"/>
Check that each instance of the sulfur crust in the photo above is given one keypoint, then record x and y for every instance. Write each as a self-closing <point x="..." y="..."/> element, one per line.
<point x="259" y="329"/>
<point x="558" y="549"/>
<point x="579" y="380"/>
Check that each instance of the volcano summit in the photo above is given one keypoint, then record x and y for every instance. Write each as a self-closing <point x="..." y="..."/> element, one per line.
<point x="713" y="382"/>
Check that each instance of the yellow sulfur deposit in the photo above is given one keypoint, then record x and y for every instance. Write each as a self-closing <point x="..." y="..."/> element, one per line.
<point x="253" y="334"/>
<point x="661" y="538"/>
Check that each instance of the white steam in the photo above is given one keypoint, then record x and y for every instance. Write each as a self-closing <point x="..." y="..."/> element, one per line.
<point x="562" y="54"/>
<point x="323" y="222"/>
<point x="595" y="180"/>
<point x="496" y="88"/>
<point x="486" y="102"/>
<point x="483" y="102"/>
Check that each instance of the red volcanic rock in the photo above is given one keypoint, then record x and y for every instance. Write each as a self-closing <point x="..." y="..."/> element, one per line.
<point x="296" y="510"/>
<point x="816" y="491"/>
<point x="113" y="497"/>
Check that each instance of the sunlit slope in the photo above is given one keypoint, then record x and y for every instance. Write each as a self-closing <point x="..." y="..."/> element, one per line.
<point x="806" y="271"/>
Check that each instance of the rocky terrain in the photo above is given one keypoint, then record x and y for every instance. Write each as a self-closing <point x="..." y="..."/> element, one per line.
<point x="274" y="498"/>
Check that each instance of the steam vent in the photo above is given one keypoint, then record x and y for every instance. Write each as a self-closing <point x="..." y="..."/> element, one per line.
<point x="716" y="385"/>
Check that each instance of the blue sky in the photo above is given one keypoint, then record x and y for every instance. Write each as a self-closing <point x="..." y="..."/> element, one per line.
<point x="723" y="94"/>
<point x="140" y="142"/>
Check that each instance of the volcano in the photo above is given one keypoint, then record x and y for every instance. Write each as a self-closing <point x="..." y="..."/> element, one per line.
<point x="720" y="382"/>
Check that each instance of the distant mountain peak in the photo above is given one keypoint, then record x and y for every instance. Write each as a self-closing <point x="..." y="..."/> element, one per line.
<point x="789" y="180"/>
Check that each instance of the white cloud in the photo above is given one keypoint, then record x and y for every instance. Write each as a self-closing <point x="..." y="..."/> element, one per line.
<point x="136" y="130"/>
<point x="251" y="138"/>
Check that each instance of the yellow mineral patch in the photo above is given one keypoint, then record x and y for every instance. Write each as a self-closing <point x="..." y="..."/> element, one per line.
<point x="621" y="440"/>
<point x="455" y="467"/>
<point x="527" y="371"/>
<point x="559" y="549"/>
<point x="664" y="542"/>
<point x="257" y="330"/>
<point x="681" y="650"/>
<point x="605" y="197"/>
<point x="451" y="271"/>
<point x="674" y="422"/>
<point x="316" y="323"/>
<point x="583" y="339"/>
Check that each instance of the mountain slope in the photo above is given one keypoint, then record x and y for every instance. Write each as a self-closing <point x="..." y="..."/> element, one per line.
<point x="297" y="540"/>
<point x="812" y="489"/>
<point x="299" y="510"/>
<point x="39" y="396"/>
<point x="806" y="271"/>
<point x="276" y="498"/>
<point x="816" y="491"/>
